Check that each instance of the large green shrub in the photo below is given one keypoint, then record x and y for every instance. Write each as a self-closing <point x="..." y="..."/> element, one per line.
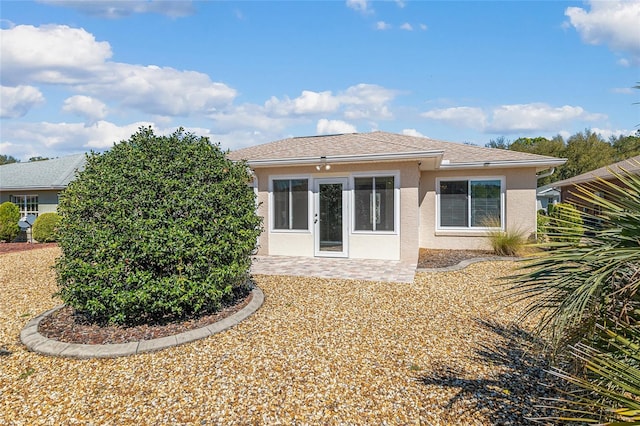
<point x="159" y="227"/>
<point x="45" y="228"/>
<point x="9" y="217"/>
<point x="565" y="224"/>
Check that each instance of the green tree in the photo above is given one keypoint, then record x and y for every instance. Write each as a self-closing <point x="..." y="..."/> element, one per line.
<point x="158" y="227"/>
<point x="586" y="151"/>
<point x="500" y="142"/>
<point x="626" y="146"/>
<point x="9" y="217"/>
<point x="8" y="159"/>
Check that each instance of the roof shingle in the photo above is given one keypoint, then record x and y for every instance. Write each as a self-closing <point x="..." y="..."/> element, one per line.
<point x="48" y="174"/>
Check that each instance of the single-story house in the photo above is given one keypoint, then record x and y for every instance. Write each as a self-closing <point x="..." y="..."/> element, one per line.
<point x="567" y="187"/>
<point x="547" y="195"/>
<point x="34" y="186"/>
<point x="381" y="195"/>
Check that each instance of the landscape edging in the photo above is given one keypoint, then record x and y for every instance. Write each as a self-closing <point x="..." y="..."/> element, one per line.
<point x="36" y="342"/>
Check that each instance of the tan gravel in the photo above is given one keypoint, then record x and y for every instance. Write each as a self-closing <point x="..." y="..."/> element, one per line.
<point x="319" y="351"/>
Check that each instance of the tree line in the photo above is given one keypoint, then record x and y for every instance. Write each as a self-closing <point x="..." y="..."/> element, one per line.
<point x="584" y="151"/>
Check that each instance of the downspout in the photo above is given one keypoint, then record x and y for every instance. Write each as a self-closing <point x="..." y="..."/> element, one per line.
<point x="545" y="174"/>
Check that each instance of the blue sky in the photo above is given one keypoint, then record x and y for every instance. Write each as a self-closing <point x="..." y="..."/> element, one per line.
<point x="81" y="75"/>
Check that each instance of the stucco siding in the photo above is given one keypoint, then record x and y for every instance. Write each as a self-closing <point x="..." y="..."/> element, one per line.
<point x="47" y="200"/>
<point x="519" y="208"/>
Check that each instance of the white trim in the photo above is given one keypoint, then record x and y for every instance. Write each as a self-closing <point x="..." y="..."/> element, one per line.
<point x="470" y="229"/>
<point x="544" y="163"/>
<point x="396" y="200"/>
<point x="271" y="206"/>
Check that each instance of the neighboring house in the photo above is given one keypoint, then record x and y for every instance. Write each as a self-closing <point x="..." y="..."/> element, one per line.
<point x="34" y="186"/>
<point x="567" y="187"/>
<point x="383" y="196"/>
<point x="547" y="195"/>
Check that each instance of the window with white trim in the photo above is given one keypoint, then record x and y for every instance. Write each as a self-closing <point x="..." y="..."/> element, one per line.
<point x="28" y="204"/>
<point x="472" y="203"/>
<point x="374" y="203"/>
<point x="291" y="204"/>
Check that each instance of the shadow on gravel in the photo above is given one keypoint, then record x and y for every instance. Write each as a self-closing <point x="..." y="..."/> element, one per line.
<point x="512" y="395"/>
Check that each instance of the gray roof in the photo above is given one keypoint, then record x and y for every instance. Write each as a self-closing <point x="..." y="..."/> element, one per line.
<point x="52" y="174"/>
<point x="630" y="165"/>
<point x="380" y="144"/>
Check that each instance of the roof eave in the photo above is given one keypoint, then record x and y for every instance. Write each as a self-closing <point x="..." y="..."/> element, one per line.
<point x="32" y="188"/>
<point x="347" y="159"/>
<point x="501" y="164"/>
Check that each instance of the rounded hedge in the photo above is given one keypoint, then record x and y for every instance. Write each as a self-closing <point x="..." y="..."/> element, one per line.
<point x="45" y="228"/>
<point x="159" y="227"/>
<point x="565" y="224"/>
<point x="9" y="217"/>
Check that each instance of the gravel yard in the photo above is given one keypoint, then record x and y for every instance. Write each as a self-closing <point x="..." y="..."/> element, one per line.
<point x="319" y="351"/>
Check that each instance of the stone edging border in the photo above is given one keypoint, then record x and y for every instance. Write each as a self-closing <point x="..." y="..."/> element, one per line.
<point x="463" y="264"/>
<point x="36" y="342"/>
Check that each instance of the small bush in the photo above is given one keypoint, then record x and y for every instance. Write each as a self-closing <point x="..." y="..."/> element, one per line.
<point x="9" y="217"/>
<point x="542" y="226"/>
<point x="45" y="228"/>
<point x="509" y="242"/>
<point x="157" y="228"/>
<point x="565" y="224"/>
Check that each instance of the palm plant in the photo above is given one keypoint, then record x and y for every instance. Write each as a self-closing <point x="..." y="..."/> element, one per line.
<point x="609" y="392"/>
<point x="575" y="286"/>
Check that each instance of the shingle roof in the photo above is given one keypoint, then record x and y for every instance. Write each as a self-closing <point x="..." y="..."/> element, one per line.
<point x="47" y="174"/>
<point x="631" y="165"/>
<point x="364" y="144"/>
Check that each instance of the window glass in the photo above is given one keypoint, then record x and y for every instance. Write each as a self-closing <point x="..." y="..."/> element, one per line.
<point x="453" y="203"/>
<point x="374" y="199"/>
<point x="485" y="202"/>
<point x="384" y="206"/>
<point x="470" y="203"/>
<point x="28" y="204"/>
<point x="290" y="204"/>
<point x="363" y="189"/>
<point x="299" y="204"/>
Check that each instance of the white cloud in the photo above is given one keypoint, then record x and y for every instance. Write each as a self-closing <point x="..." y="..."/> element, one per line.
<point x="120" y="9"/>
<point x="17" y="101"/>
<point x="54" y="54"/>
<point x="328" y="127"/>
<point x="359" y="101"/>
<point x="607" y="133"/>
<point x="69" y="56"/>
<point x="516" y="118"/>
<point x="470" y="117"/>
<point x="89" y="108"/>
<point x="308" y="102"/>
<point x="382" y="26"/>
<point x="401" y="4"/>
<point x="412" y="132"/>
<point x="613" y="23"/>
<point x="536" y="117"/>
<point x="623" y="90"/>
<point x="423" y="27"/>
<point x="359" y="5"/>
<point x="406" y="26"/>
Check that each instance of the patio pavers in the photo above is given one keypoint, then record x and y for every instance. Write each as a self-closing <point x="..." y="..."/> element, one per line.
<point x="324" y="267"/>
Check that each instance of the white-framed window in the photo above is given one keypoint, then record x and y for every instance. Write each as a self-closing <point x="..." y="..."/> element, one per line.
<point x="375" y="202"/>
<point x="28" y="204"/>
<point x="290" y="204"/>
<point x="470" y="203"/>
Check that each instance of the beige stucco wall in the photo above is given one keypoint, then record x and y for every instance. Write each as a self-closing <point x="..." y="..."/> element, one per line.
<point x="520" y="207"/>
<point x="402" y="245"/>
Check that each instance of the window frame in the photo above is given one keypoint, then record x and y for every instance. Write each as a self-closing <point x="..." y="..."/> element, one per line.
<point x="21" y="205"/>
<point x="395" y="174"/>
<point x="272" y="203"/>
<point x="469" y="179"/>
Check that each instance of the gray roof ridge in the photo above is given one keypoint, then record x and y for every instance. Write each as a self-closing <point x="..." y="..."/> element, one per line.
<point x="74" y="166"/>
